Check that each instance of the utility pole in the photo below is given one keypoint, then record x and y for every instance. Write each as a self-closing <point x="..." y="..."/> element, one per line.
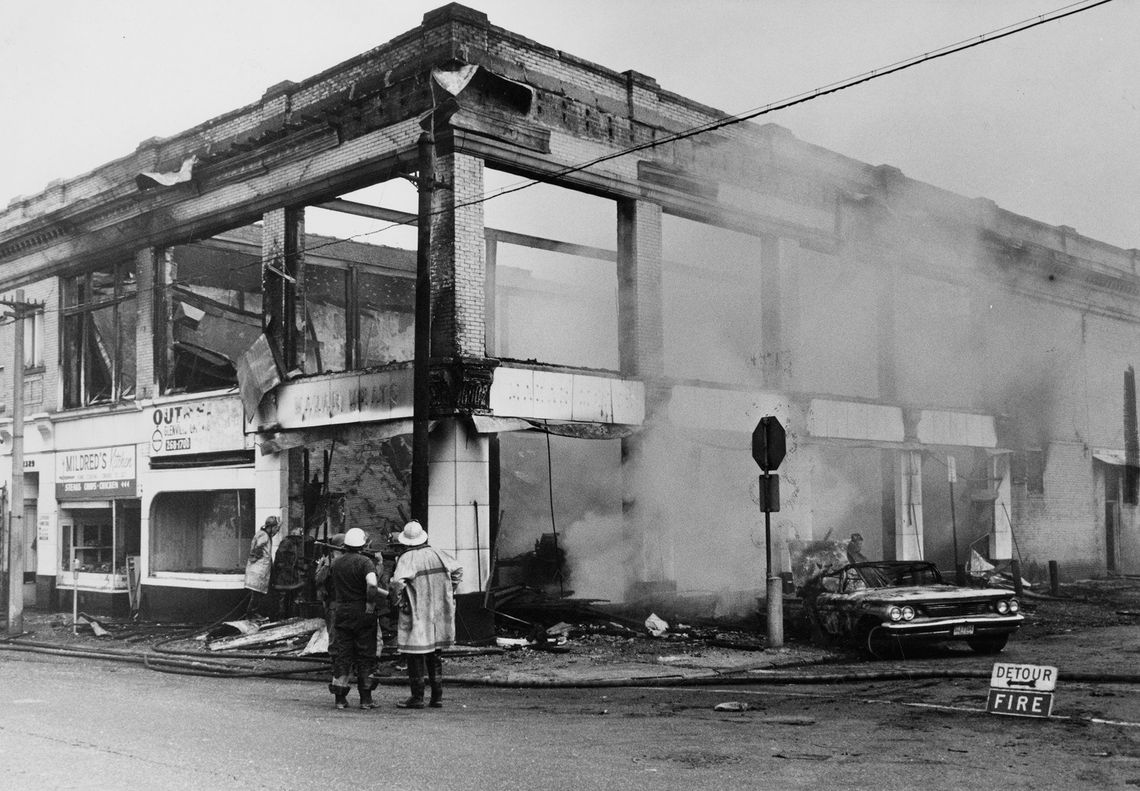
<point x="421" y="371"/>
<point x="16" y="531"/>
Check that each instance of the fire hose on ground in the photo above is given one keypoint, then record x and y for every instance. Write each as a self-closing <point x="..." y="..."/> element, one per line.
<point x="188" y="663"/>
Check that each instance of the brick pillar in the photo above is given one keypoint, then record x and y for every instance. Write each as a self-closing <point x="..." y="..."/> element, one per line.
<point x="640" y="332"/>
<point x="641" y="351"/>
<point x="458" y="258"/>
<point x="908" y="507"/>
<point x="283" y="281"/>
<point x="459" y="512"/>
<point x="149" y="299"/>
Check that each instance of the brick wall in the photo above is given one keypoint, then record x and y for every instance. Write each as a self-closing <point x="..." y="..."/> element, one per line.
<point x="40" y="385"/>
<point x="1060" y="524"/>
<point x="458" y="258"/>
<point x="639" y="298"/>
<point x="146" y="379"/>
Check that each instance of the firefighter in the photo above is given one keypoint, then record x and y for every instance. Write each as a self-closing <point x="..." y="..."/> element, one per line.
<point x="259" y="565"/>
<point x="355" y="593"/>
<point x="425" y="580"/>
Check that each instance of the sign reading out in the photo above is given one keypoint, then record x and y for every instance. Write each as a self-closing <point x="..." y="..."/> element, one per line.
<point x="1021" y="690"/>
<point x="193" y="427"/>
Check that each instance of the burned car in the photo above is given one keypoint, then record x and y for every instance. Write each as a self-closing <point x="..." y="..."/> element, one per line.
<point x="883" y="606"/>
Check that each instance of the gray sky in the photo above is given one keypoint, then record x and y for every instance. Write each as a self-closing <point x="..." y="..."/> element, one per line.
<point x="1045" y="123"/>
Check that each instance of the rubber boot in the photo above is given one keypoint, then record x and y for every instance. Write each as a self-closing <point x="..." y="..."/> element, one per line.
<point x="435" y="679"/>
<point x="364" y="689"/>
<point x="416" y="681"/>
<point x="340" y="694"/>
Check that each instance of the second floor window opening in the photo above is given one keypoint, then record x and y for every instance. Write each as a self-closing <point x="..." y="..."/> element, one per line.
<point x="100" y="313"/>
<point x="34" y="340"/>
<point x="214" y="298"/>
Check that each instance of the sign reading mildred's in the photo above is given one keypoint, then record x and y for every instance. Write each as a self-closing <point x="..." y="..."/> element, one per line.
<point x="96" y="473"/>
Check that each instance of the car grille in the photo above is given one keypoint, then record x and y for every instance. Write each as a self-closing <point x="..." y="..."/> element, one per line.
<point x="951" y="609"/>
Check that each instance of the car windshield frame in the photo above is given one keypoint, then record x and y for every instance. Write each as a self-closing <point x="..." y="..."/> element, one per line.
<point x="897" y="574"/>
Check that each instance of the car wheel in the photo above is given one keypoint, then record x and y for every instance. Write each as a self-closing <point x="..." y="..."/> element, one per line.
<point x="988" y="645"/>
<point x="875" y="642"/>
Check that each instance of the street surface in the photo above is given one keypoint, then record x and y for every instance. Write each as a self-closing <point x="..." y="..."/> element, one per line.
<point x="91" y="724"/>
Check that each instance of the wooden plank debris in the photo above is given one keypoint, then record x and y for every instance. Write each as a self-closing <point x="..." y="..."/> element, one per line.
<point x="274" y="633"/>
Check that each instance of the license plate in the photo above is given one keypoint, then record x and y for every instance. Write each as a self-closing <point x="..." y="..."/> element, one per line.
<point x="963" y="630"/>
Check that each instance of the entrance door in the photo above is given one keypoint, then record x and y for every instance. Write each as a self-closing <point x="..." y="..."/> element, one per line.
<point x="30" y="528"/>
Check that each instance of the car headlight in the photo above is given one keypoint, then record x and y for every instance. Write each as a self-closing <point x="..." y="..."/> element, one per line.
<point x="908" y="613"/>
<point x="895" y="614"/>
<point x="1014" y="606"/>
<point x="1002" y="607"/>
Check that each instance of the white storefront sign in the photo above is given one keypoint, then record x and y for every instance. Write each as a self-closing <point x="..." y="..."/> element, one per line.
<point x="96" y="473"/>
<point x="206" y="426"/>
<point x="339" y="400"/>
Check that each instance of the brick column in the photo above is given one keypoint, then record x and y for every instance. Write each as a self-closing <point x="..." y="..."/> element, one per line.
<point x="459" y="512"/>
<point x="149" y="299"/>
<point x="640" y="324"/>
<point x="458" y="258"/>
<point x="641" y="351"/>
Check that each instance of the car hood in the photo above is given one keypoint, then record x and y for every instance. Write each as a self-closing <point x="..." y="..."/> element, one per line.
<point x="923" y="593"/>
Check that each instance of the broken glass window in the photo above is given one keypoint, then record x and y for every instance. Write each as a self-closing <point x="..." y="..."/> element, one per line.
<point x="360" y="280"/>
<point x="99" y="318"/>
<point x="214" y="303"/>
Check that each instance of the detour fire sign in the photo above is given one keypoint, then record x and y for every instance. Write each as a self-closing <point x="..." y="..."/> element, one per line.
<point x="1021" y="690"/>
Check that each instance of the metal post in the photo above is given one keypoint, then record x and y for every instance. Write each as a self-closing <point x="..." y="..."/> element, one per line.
<point x="16" y="534"/>
<point x="421" y="373"/>
<point x="775" y="585"/>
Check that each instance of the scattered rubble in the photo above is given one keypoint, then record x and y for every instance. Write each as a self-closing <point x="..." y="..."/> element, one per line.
<point x="275" y="635"/>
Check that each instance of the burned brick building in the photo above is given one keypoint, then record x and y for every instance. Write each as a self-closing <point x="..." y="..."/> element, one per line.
<point x="227" y="330"/>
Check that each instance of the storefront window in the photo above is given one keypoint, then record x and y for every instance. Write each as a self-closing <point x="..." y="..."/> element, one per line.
<point x="569" y="538"/>
<point x="99" y="540"/>
<point x="99" y="319"/>
<point x="214" y="302"/>
<point x="201" y="532"/>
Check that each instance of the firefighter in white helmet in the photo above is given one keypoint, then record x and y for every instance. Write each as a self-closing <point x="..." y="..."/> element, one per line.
<point x="356" y="591"/>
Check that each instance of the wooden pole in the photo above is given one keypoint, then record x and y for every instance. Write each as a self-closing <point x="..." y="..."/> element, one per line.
<point x="421" y="372"/>
<point x="16" y="535"/>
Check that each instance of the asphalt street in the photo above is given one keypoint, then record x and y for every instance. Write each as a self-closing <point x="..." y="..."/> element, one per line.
<point x="68" y="723"/>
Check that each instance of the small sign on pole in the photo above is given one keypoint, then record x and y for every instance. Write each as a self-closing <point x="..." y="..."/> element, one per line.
<point x="769" y="445"/>
<point x="1021" y="690"/>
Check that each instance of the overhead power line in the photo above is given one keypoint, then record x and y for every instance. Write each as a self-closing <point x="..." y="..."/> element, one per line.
<point x="800" y="98"/>
<point x="730" y="120"/>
